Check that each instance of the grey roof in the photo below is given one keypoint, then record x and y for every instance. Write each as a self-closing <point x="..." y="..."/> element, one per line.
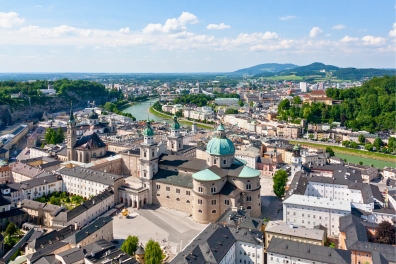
<point x="90" y="140"/>
<point x="183" y="163"/>
<point x="241" y="218"/>
<point x="88" y="230"/>
<point x="101" y="251"/>
<point x="72" y="255"/>
<point x="50" y="164"/>
<point x="91" y="175"/>
<point x="308" y="251"/>
<point x="11" y="213"/>
<point x="49" y="259"/>
<point x="28" y="171"/>
<point x="50" y="238"/>
<point x="45" y="251"/>
<point x="52" y="209"/>
<point x="280" y="227"/>
<point x="23" y="185"/>
<point x="4" y="201"/>
<point x="73" y="213"/>
<point x="139" y="250"/>
<point x="356" y="237"/>
<point x="213" y="243"/>
<point x="176" y="178"/>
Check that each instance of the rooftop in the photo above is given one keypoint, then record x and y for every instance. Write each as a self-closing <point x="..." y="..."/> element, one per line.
<point x="319" y="202"/>
<point x="280" y="227"/>
<point x="91" y="175"/>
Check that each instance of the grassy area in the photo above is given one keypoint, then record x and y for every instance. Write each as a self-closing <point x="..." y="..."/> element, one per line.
<point x="286" y="78"/>
<point x="352" y="152"/>
<point x="159" y="114"/>
<point x="61" y="198"/>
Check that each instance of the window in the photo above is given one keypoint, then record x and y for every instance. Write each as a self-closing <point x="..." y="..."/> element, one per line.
<point x="200" y="211"/>
<point x="214" y="161"/>
<point x="199" y="201"/>
<point x="213" y="189"/>
<point x="249" y="198"/>
<point x="167" y="189"/>
<point x="224" y="161"/>
<point x="248" y="186"/>
<point x="214" y="202"/>
<point x="178" y="199"/>
<point x="177" y="190"/>
<point x="153" y="153"/>
<point x="200" y="189"/>
<point x="188" y="193"/>
<point x="227" y="202"/>
<point x="167" y="197"/>
<point x="188" y="201"/>
<point x="145" y="154"/>
<point x="213" y="211"/>
<point x="158" y="187"/>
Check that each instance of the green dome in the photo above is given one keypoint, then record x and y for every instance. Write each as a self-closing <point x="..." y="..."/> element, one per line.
<point x="93" y="115"/>
<point x="220" y="127"/>
<point x="220" y="146"/>
<point x="175" y="125"/>
<point x="148" y="131"/>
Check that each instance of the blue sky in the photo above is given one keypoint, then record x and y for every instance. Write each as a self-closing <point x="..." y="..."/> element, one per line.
<point x="193" y="36"/>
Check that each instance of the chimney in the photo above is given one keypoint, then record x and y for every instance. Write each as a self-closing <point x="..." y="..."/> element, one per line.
<point x="75" y="226"/>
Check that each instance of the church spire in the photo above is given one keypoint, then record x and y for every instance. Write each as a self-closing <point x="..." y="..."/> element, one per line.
<point x="71" y="118"/>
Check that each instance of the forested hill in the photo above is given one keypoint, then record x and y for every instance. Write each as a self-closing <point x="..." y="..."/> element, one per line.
<point x="77" y="91"/>
<point x="264" y="68"/>
<point x="321" y="70"/>
<point x="370" y="107"/>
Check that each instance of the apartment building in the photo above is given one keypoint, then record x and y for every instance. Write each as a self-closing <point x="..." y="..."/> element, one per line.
<point x="309" y="211"/>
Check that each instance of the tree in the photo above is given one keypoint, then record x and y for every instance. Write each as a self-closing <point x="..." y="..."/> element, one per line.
<point x="386" y="233"/>
<point x="297" y="100"/>
<point x="280" y="180"/>
<point x="378" y="144"/>
<point x="368" y="147"/>
<point x="240" y="103"/>
<point x="311" y="136"/>
<point x="362" y="139"/>
<point x="130" y="245"/>
<point x="11" y="229"/>
<point x="360" y="162"/>
<point x="353" y="144"/>
<point x="330" y="151"/>
<point x="345" y="143"/>
<point x="153" y="253"/>
<point x="60" y="135"/>
<point x="284" y="105"/>
<point x="231" y="111"/>
<point x="179" y="113"/>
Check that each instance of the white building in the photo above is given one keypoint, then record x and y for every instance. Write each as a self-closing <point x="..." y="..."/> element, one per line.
<point x="226" y="101"/>
<point x="303" y="87"/>
<point x="248" y="156"/>
<point x="85" y="182"/>
<point x="309" y="211"/>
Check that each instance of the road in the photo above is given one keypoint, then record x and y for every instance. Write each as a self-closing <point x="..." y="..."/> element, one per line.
<point x="270" y="204"/>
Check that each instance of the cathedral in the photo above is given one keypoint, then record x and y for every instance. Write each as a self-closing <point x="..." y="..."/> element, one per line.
<point x="204" y="188"/>
<point x="88" y="147"/>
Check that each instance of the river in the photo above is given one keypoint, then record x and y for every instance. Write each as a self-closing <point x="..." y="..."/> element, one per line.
<point x="141" y="111"/>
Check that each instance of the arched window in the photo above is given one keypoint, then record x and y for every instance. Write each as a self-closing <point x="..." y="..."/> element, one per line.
<point x="188" y="201"/>
<point x="167" y="197"/>
<point x="158" y="194"/>
<point x="153" y="153"/>
<point x="145" y="154"/>
<point x="249" y="207"/>
<point x="177" y="199"/>
<point x="214" y="161"/>
<point x="213" y="189"/>
<point x="94" y="154"/>
<point x="213" y="211"/>
<point x="200" y="189"/>
<point x="179" y="145"/>
<point x="200" y="211"/>
<point x="248" y="186"/>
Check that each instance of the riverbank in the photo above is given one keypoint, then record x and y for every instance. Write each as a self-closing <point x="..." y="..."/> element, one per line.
<point x="352" y="152"/>
<point x="182" y="120"/>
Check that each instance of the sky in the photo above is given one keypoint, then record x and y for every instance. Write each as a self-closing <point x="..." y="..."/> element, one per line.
<point x="193" y="35"/>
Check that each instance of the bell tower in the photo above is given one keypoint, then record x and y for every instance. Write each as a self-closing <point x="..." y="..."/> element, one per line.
<point x="71" y="136"/>
<point x="175" y="139"/>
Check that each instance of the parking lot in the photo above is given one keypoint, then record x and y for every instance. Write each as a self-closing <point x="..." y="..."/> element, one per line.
<point x="172" y="229"/>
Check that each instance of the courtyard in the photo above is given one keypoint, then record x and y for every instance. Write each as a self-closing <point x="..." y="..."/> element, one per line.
<point x="271" y="206"/>
<point x="172" y="229"/>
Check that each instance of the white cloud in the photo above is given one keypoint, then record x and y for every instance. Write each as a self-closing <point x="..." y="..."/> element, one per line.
<point x="287" y="17"/>
<point x="315" y="32"/>
<point x="283" y="44"/>
<point x="80" y="47"/>
<point x="97" y="47"/>
<point x="10" y="19"/>
<point x="172" y="25"/>
<point x="347" y="39"/>
<point x="218" y="26"/>
<point x="392" y="33"/>
<point x="339" y="26"/>
<point x="124" y="30"/>
<point x="373" y="41"/>
<point x="253" y="38"/>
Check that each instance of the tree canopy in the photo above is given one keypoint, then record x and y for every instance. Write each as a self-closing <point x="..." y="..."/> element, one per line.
<point x="130" y="245"/>
<point x="280" y="180"/>
<point x="153" y="253"/>
<point x="385" y="234"/>
<point x="54" y="136"/>
<point x="231" y="111"/>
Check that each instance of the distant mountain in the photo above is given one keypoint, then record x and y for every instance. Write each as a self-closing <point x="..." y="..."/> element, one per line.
<point x="264" y="68"/>
<point x="318" y="68"/>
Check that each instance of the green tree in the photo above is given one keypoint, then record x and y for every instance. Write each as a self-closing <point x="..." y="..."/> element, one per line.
<point x="284" y="105"/>
<point x="368" y="147"/>
<point x="231" y="111"/>
<point x="60" y="136"/>
<point x="251" y="104"/>
<point x="311" y="136"/>
<point x="153" y="253"/>
<point x="330" y="151"/>
<point x="360" y="162"/>
<point x="179" y="113"/>
<point x="345" y="143"/>
<point x="11" y="229"/>
<point x="240" y="103"/>
<point x="297" y="100"/>
<point x="391" y="144"/>
<point x="362" y="139"/>
<point x="280" y="180"/>
<point x="130" y="245"/>
<point x="378" y="144"/>
<point x="353" y="144"/>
